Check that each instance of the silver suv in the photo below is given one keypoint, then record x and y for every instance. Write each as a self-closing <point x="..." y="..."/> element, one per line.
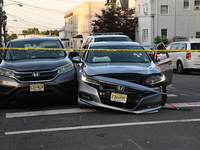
<point x="182" y="61"/>
<point x="104" y="38"/>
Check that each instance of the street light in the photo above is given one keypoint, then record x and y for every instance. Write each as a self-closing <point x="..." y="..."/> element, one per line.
<point x="3" y="20"/>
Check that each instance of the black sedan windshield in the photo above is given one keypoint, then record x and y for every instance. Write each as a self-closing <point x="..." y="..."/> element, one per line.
<point x="117" y="56"/>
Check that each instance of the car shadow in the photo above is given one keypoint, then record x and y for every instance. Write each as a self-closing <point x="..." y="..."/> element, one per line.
<point x="41" y="104"/>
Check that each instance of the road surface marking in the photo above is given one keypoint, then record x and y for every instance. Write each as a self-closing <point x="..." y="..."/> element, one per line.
<point x="101" y="126"/>
<point x="78" y="110"/>
<point x="171" y="95"/>
<point x="48" y="112"/>
<point x="173" y="105"/>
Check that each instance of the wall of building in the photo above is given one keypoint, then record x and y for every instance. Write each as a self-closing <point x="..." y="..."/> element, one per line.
<point x="78" y="21"/>
<point x="178" y="22"/>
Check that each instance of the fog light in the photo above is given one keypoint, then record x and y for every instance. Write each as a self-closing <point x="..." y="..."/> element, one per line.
<point x="85" y="96"/>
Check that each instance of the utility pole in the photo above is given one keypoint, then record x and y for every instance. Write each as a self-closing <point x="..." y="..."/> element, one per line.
<point x="1" y="21"/>
<point x="4" y="27"/>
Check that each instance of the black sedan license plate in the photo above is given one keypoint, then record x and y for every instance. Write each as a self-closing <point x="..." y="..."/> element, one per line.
<point x="36" y="87"/>
<point x="122" y="98"/>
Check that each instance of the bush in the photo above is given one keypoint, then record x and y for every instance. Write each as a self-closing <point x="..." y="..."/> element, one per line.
<point x="159" y="39"/>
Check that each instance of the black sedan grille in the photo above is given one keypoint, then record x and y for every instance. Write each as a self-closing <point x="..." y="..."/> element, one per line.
<point x="35" y="75"/>
<point x="133" y="95"/>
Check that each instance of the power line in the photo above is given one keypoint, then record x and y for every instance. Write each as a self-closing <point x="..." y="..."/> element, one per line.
<point x="41" y="8"/>
<point x="35" y="20"/>
<point x="38" y="15"/>
<point x="30" y="23"/>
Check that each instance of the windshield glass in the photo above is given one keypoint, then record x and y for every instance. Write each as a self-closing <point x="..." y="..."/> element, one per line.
<point x="117" y="56"/>
<point x="101" y="39"/>
<point x="34" y="54"/>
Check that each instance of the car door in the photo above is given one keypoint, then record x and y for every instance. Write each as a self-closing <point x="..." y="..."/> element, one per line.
<point x="164" y="62"/>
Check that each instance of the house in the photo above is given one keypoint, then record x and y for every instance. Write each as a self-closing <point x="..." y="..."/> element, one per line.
<point x="167" y="18"/>
<point x="125" y="4"/>
<point x="78" y="22"/>
<point x="62" y="35"/>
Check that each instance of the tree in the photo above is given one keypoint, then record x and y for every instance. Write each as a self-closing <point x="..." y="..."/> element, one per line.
<point x="31" y="31"/>
<point x="159" y="39"/>
<point x="116" y="20"/>
<point x="50" y="32"/>
<point x="12" y="36"/>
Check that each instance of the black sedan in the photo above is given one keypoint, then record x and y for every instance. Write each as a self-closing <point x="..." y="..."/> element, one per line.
<point x="122" y="79"/>
<point x="35" y="73"/>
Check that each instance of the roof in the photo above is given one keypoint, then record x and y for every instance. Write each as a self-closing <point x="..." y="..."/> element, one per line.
<point x="110" y="36"/>
<point x="117" y="43"/>
<point x="62" y="29"/>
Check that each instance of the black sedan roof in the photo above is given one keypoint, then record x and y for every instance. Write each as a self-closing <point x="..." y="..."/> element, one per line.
<point x="117" y="43"/>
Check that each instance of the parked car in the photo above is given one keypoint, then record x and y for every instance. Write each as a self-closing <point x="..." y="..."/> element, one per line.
<point x="36" y="73"/>
<point x="103" y="38"/>
<point x="185" y="61"/>
<point x="127" y="81"/>
<point x="159" y="46"/>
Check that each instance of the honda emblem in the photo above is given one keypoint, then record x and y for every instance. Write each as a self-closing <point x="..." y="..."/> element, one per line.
<point x="120" y="88"/>
<point x="36" y="74"/>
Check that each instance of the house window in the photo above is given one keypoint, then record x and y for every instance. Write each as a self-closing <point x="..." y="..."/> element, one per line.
<point x="164" y="9"/>
<point x="186" y="4"/>
<point x="145" y="35"/>
<point x="164" y="33"/>
<point x="197" y="34"/>
<point x="197" y="5"/>
<point x="139" y="7"/>
<point x="145" y="8"/>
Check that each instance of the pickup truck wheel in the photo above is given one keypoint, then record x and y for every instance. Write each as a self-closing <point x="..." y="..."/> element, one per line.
<point x="180" y="68"/>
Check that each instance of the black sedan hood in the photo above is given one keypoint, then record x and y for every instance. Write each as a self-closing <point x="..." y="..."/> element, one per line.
<point x="92" y="69"/>
<point x="35" y="64"/>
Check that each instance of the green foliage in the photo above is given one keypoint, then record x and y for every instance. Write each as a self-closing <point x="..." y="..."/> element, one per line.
<point x="50" y="32"/>
<point x="12" y="36"/>
<point x="198" y="36"/>
<point x="31" y="31"/>
<point x="36" y="31"/>
<point x="116" y="20"/>
<point x="159" y="39"/>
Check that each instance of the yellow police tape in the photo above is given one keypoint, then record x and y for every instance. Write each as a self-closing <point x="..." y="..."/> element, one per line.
<point x="64" y="49"/>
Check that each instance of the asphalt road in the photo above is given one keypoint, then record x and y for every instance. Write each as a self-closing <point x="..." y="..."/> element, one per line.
<point x="56" y="125"/>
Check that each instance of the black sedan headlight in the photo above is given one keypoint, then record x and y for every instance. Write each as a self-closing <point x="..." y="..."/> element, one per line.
<point x="6" y="72"/>
<point x="154" y="79"/>
<point x="87" y="79"/>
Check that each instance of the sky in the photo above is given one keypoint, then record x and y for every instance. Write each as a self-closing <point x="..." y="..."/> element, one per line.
<point x="41" y="14"/>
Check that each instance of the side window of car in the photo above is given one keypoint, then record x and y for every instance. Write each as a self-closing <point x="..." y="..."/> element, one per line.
<point x="169" y="47"/>
<point x="175" y="46"/>
<point x="183" y="46"/>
